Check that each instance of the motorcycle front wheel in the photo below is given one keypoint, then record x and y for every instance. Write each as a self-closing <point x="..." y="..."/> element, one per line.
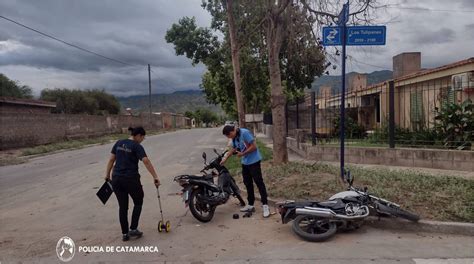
<point x="200" y="210"/>
<point x="313" y="229"/>
<point x="398" y="212"/>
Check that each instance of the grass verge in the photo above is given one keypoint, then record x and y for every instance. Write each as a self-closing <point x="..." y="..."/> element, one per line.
<point x="439" y="198"/>
<point x="78" y="143"/>
<point x="443" y="198"/>
<point x="71" y="144"/>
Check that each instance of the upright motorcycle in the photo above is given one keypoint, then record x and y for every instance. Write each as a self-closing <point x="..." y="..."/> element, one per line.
<point x="318" y="221"/>
<point x="200" y="192"/>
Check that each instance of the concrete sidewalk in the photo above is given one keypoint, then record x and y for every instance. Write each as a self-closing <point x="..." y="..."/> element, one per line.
<point x="434" y="172"/>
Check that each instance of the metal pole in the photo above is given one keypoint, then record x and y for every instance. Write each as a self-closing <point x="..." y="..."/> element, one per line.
<point x="391" y="114"/>
<point x="297" y="113"/>
<point x="286" y="117"/>
<point x="313" y="118"/>
<point x="149" y="95"/>
<point x="343" y="94"/>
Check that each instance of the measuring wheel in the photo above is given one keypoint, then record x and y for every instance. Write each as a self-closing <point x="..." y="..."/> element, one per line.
<point x="162" y="225"/>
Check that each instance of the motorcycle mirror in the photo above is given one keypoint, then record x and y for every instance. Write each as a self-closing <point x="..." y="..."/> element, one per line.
<point x="204" y="156"/>
<point x="350" y="178"/>
<point x="215" y="151"/>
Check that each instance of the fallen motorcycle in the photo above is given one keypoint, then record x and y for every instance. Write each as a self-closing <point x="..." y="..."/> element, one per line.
<point x="202" y="195"/>
<point x="318" y="221"/>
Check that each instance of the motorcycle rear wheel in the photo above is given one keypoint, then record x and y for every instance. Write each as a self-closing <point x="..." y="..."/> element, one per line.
<point x="313" y="229"/>
<point x="202" y="212"/>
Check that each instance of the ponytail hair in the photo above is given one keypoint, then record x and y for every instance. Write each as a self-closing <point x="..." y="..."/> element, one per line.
<point x="137" y="131"/>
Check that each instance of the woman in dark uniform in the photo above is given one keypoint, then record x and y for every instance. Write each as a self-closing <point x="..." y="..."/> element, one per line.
<point x="126" y="180"/>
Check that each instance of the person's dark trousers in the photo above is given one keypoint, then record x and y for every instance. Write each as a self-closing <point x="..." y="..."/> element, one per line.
<point x="253" y="173"/>
<point x="123" y="187"/>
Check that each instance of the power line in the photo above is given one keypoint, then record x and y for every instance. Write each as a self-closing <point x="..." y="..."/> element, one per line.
<point x="368" y="64"/>
<point x="67" y="43"/>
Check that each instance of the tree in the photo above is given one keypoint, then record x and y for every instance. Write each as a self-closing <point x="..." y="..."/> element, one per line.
<point x="235" y="51"/>
<point x="281" y="17"/>
<point x="93" y="102"/>
<point x="202" y="46"/>
<point x="204" y="115"/>
<point x="10" y="88"/>
<point x="301" y="57"/>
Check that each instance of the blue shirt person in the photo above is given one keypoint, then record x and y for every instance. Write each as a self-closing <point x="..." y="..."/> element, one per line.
<point x="245" y="146"/>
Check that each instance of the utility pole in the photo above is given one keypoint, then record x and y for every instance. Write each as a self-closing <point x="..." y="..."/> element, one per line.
<point x="343" y="18"/>
<point x="149" y="95"/>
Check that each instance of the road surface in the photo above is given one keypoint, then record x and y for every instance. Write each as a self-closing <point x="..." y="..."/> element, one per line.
<point x="54" y="196"/>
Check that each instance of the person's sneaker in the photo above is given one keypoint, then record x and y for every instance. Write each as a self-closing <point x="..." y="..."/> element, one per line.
<point x="135" y="233"/>
<point x="266" y="211"/>
<point x="248" y="208"/>
<point x="125" y="237"/>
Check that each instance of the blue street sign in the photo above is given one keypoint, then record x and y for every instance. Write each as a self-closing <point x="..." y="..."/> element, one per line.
<point x="332" y="36"/>
<point x="356" y="35"/>
<point x="366" y="35"/>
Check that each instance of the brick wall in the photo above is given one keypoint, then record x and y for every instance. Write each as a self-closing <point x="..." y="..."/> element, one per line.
<point x="26" y="130"/>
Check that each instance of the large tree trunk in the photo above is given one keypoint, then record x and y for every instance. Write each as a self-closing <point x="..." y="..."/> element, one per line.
<point x="235" y="63"/>
<point x="274" y="39"/>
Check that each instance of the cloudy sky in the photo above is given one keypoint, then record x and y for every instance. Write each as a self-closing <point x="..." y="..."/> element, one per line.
<point x="133" y="32"/>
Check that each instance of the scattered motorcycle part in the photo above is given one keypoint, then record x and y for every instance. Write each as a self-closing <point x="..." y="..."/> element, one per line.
<point x="235" y="216"/>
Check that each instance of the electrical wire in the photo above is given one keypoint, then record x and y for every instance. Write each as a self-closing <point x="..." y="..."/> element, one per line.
<point x="66" y="43"/>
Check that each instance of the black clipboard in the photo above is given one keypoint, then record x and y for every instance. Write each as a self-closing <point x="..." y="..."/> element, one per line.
<point x="105" y="192"/>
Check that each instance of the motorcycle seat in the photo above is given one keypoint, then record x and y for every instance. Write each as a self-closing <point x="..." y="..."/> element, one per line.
<point x="200" y="177"/>
<point x="333" y="204"/>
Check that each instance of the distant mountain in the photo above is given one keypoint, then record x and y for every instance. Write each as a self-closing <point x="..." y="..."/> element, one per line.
<point x="177" y="102"/>
<point x="335" y="81"/>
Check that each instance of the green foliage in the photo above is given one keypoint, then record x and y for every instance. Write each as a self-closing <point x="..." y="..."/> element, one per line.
<point x="203" y="115"/>
<point x="455" y="122"/>
<point x="177" y="102"/>
<point x="195" y="42"/>
<point x="10" y="88"/>
<point x="403" y="136"/>
<point x="453" y="128"/>
<point x="351" y="128"/>
<point x="301" y="58"/>
<point x="93" y="102"/>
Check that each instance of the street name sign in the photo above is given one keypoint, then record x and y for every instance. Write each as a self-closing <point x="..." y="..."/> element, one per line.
<point x="355" y="35"/>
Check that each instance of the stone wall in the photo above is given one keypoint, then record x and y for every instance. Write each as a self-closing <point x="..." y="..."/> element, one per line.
<point x="422" y="158"/>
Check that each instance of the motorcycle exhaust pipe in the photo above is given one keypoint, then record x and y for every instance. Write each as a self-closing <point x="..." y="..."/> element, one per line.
<point x="328" y="213"/>
<point x="316" y="212"/>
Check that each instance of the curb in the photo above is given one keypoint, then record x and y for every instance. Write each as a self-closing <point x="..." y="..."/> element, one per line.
<point x="392" y="223"/>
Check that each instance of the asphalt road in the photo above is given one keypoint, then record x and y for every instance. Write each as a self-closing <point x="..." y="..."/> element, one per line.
<point x="54" y="196"/>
